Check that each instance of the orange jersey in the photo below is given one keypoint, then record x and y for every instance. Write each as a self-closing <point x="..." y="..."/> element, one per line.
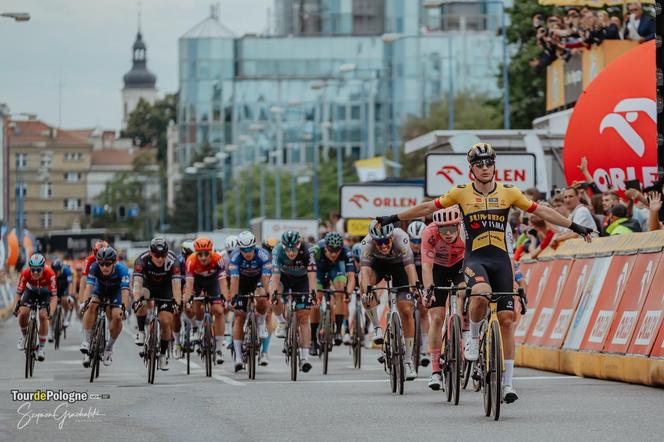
<point x="88" y="263"/>
<point x="213" y="269"/>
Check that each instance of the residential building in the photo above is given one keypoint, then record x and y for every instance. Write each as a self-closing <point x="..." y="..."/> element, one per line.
<point x="48" y="168"/>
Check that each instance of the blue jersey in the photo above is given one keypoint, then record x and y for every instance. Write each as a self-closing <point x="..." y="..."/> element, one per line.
<point x="343" y="264"/>
<point x="110" y="285"/>
<point x="63" y="280"/>
<point x="259" y="265"/>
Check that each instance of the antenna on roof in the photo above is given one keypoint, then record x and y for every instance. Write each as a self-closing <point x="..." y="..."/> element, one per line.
<point x="139" y="16"/>
<point x="214" y="11"/>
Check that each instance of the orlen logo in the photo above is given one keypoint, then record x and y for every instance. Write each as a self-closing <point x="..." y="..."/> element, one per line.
<point x="621" y="124"/>
<point x="358" y="199"/>
<point x="446" y="170"/>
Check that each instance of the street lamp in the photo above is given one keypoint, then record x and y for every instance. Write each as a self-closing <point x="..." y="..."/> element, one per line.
<point x="17" y="16"/>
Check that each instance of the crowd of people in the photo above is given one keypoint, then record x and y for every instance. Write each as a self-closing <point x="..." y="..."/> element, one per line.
<point x="561" y="36"/>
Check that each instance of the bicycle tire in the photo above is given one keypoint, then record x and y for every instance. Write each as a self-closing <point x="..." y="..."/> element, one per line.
<point x="416" y="340"/>
<point x="389" y="362"/>
<point x="496" y="364"/>
<point x="29" y="351"/>
<point x="326" y="340"/>
<point x="399" y="353"/>
<point x="455" y="362"/>
<point x="252" y="347"/>
<point x="485" y="381"/>
<point x="57" y="327"/>
<point x="207" y="353"/>
<point x="358" y="338"/>
<point x="293" y="350"/>
<point x="467" y="371"/>
<point x="447" y="363"/>
<point x="152" y="350"/>
<point x="94" y="349"/>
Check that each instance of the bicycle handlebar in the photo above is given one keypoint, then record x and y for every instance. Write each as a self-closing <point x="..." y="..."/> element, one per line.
<point x="495" y="297"/>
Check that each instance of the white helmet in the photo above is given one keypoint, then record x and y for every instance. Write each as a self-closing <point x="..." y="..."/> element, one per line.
<point x="447" y="217"/>
<point x="384" y="232"/>
<point x="415" y="229"/>
<point x="246" y="239"/>
<point x="231" y="242"/>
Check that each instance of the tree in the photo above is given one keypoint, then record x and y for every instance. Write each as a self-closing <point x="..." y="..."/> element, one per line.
<point x="471" y="111"/>
<point x="527" y="86"/>
<point x="147" y="124"/>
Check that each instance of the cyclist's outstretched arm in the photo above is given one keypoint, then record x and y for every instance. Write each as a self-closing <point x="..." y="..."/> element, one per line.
<point x="419" y="211"/>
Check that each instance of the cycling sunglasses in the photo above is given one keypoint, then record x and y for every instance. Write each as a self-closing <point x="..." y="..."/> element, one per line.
<point x="246" y="249"/>
<point x="106" y="263"/>
<point x="416" y="241"/>
<point x="333" y="250"/>
<point x="159" y="255"/>
<point x="203" y="254"/>
<point x="36" y="269"/>
<point x="382" y="242"/>
<point x="447" y="229"/>
<point x="484" y="163"/>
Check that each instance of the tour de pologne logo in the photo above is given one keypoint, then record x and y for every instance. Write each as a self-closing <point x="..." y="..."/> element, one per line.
<point x="32" y="410"/>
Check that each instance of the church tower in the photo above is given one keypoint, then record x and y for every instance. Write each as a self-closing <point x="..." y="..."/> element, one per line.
<point x="138" y="82"/>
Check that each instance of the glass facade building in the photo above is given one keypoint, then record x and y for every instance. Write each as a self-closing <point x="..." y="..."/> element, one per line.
<point x="339" y="74"/>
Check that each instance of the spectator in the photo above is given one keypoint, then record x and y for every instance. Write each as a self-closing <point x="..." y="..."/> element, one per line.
<point x="654" y="207"/>
<point x="597" y="208"/>
<point x="540" y="235"/>
<point x="637" y="207"/>
<point x="609" y="29"/>
<point x="578" y="214"/>
<point x="558" y="203"/>
<point x="620" y="223"/>
<point x="638" y="26"/>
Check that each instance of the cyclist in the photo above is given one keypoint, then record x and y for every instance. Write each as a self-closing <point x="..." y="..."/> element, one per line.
<point x="294" y="268"/>
<point x="334" y="267"/>
<point x="64" y="280"/>
<point x="485" y="206"/>
<point x="37" y="284"/>
<point x="442" y="266"/>
<point x="186" y="249"/>
<point x="415" y="230"/>
<point x="89" y="260"/>
<point x="157" y="275"/>
<point x="230" y="244"/>
<point x="107" y="279"/>
<point x="386" y="251"/>
<point x="249" y="266"/>
<point x="205" y="273"/>
<point x="269" y="243"/>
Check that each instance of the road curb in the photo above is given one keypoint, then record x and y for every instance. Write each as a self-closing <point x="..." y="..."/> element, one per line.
<point x="624" y="368"/>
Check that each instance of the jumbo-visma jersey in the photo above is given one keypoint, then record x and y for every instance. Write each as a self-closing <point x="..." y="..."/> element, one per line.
<point x="485" y="217"/>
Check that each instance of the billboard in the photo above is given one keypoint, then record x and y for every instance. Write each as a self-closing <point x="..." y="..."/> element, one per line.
<point x="371" y="200"/>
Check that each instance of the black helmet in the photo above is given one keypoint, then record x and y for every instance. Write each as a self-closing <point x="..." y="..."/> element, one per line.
<point x="481" y="151"/>
<point x="333" y="241"/>
<point x="107" y="254"/>
<point x="159" y="246"/>
<point x="56" y="265"/>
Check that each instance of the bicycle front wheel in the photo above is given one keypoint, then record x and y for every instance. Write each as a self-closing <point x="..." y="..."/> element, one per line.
<point x="417" y="347"/>
<point x="253" y="339"/>
<point x="293" y="348"/>
<point x="358" y="338"/>
<point x="398" y="352"/>
<point x="208" y="350"/>
<point x="152" y="352"/>
<point x="455" y="359"/>
<point x="57" y="327"/>
<point x="29" y="348"/>
<point x="327" y="339"/>
<point x="496" y="369"/>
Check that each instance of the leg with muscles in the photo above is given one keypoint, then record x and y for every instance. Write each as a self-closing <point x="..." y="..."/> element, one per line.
<point x="88" y="321"/>
<point x="238" y="337"/>
<point x="478" y="306"/>
<point x="314" y="319"/>
<point x="305" y="338"/>
<point x="115" y="328"/>
<point x="424" y="338"/>
<point x="166" y="330"/>
<point x="405" y="308"/>
<point x="218" y="329"/>
<point x="23" y="313"/>
<point x="261" y="311"/>
<point x="506" y="319"/>
<point x="436" y="317"/>
<point x="43" y="332"/>
<point x="371" y="302"/>
<point x="141" y="314"/>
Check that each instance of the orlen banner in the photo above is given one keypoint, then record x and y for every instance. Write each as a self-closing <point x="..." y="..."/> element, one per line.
<point x="444" y="171"/>
<point x="371" y="200"/>
<point x="614" y="123"/>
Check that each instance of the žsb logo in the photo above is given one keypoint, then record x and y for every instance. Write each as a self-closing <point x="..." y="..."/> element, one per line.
<point x="614" y="123"/>
<point x="358" y="199"/>
<point x="446" y="170"/>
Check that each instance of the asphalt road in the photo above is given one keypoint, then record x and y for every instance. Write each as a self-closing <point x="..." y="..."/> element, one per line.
<point x="344" y="405"/>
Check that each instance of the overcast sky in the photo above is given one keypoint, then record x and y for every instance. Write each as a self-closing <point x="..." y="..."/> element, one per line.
<point x="90" y="42"/>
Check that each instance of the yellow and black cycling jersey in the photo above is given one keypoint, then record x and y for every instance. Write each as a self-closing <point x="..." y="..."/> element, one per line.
<point x="485" y="217"/>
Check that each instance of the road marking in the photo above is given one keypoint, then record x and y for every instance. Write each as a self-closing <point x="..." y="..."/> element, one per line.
<point x="229" y="381"/>
<point x="192" y="364"/>
<point x="369" y="381"/>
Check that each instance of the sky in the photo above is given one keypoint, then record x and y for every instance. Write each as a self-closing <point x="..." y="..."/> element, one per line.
<point x="89" y="42"/>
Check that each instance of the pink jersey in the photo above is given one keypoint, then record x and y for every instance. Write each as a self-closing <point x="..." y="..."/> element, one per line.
<point x="436" y="251"/>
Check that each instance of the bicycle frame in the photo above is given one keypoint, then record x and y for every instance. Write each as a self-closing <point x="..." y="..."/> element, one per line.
<point x="208" y="344"/>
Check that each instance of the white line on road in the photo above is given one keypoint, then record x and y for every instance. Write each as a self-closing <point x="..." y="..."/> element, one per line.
<point x="362" y="381"/>
<point x="229" y="381"/>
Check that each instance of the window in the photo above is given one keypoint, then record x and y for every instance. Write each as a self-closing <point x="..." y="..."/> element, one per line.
<point x="73" y="156"/>
<point x="21" y="160"/>
<point x="47" y="220"/>
<point x="72" y="204"/>
<point x="72" y="177"/>
<point x="46" y="160"/>
<point x="46" y="191"/>
<point x="22" y="190"/>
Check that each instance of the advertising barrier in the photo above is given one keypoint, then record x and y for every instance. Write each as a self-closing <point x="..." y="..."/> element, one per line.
<point x="597" y="310"/>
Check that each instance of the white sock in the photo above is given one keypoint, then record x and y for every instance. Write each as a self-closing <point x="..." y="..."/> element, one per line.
<point x="87" y="334"/>
<point x="176" y="336"/>
<point x="409" y="349"/>
<point x="475" y="329"/>
<point x="281" y="319"/>
<point x="304" y="353"/>
<point x="237" y="344"/>
<point x="425" y="343"/>
<point x="109" y="344"/>
<point x="507" y="374"/>
<point x="373" y="317"/>
<point x="260" y="320"/>
<point x="219" y="340"/>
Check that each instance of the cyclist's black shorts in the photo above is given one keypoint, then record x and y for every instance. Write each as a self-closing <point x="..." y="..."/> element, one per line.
<point x="161" y="292"/>
<point x="296" y="284"/>
<point x="398" y="273"/>
<point x="445" y="277"/>
<point x="248" y="284"/>
<point x="418" y="269"/>
<point x="41" y="296"/>
<point x="209" y="286"/>
<point x="494" y="269"/>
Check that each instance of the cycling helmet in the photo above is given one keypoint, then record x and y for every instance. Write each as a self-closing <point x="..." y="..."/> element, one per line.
<point x="231" y="242"/>
<point x="481" y="151"/>
<point x="202" y="244"/>
<point x="187" y="247"/>
<point x="246" y="240"/>
<point x="384" y="232"/>
<point x="334" y="241"/>
<point x="37" y="261"/>
<point x="356" y="251"/>
<point x="447" y="217"/>
<point x="291" y="239"/>
<point x="56" y="265"/>
<point x="415" y="229"/>
<point x="99" y="245"/>
<point x="107" y="253"/>
<point x="159" y="246"/>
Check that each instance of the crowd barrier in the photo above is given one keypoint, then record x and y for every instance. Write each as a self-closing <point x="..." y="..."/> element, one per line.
<point x="597" y="309"/>
<point x="6" y="297"/>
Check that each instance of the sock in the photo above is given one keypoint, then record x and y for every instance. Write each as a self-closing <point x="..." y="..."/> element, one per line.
<point x="260" y="320"/>
<point x="410" y="342"/>
<point x="109" y="344"/>
<point x="219" y="340"/>
<point x="229" y="324"/>
<point x="338" y="322"/>
<point x="344" y="326"/>
<point x="42" y="341"/>
<point x="140" y="320"/>
<point x="237" y="344"/>
<point x="266" y="344"/>
<point x="24" y="331"/>
<point x="373" y="317"/>
<point x="176" y="336"/>
<point x="475" y="329"/>
<point x="88" y="335"/>
<point x="507" y="374"/>
<point x="304" y="353"/>
<point x="425" y="343"/>
<point x="435" y="360"/>
<point x="281" y="319"/>
<point x="314" y="331"/>
<point x="199" y="323"/>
